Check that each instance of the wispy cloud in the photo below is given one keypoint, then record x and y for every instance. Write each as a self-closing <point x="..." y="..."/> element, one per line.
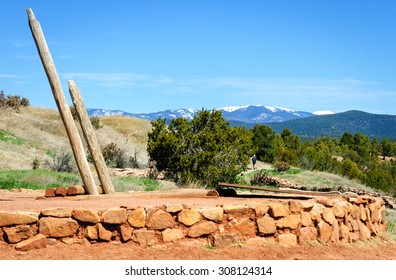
<point x="253" y="88"/>
<point x="10" y="76"/>
<point x="111" y="80"/>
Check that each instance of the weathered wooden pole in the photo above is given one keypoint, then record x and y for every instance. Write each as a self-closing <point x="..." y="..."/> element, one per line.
<point x="90" y="137"/>
<point x="64" y="110"/>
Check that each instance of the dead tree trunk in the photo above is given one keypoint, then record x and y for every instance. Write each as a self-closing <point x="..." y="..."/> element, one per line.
<point x="90" y="137"/>
<point x="64" y="110"/>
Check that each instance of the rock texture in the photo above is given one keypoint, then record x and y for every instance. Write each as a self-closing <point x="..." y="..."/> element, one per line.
<point x="289" y="223"/>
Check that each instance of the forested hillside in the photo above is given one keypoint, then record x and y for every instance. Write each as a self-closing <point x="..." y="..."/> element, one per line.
<point x="372" y="125"/>
<point x="207" y="147"/>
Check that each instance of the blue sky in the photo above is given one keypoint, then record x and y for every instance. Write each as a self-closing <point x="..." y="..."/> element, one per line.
<point x="147" y="56"/>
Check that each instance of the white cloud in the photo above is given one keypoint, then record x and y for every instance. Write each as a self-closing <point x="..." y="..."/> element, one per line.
<point x="323" y="112"/>
<point x="9" y="76"/>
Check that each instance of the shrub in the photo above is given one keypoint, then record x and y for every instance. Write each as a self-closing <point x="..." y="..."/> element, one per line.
<point x="282" y="166"/>
<point x="118" y="158"/>
<point x="110" y="152"/>
<point x="95" y="121"/>
<point x="13" y="102"/>
<point x="36" y="163"/>
<point x="206" y="149"/>
<point x="153" y="172"/>
<point x="62" y="162"/>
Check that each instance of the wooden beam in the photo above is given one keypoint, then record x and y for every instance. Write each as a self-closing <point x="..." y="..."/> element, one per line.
<point x="60" y="100"/>
<point x="288" y="191"/>
<point x="91" y="139"/>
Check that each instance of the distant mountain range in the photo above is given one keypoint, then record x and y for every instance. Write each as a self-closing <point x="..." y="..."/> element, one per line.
<point x="304" y="124"/>
<point x="372" y="125"/>
<point x="251" y="114"/>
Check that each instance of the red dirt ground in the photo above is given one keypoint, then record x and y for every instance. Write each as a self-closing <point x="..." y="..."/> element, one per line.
<point x="379" y="248"/>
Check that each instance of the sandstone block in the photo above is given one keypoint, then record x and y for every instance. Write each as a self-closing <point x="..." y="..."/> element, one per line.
<point x="125" y="233"/>
<point x="174" y="208"/>
<point x="315" y="216"/>
<point x="363" y="214"/>
<point x="339" y="209"/>
<point x="244" y="227"/>
<point x="374" y="211"/>
<point x="18" y="233"/>
<point x="306" y="220"/>
<point x="325" y="231"/>
<point x="57" y="212"/>
<point x="202" y="228"/>
<point x="278" y="210"/>
<point x="266" y="225"/>
<point x="355" y="211"/>
<point x="344" y="233"/>
<point x="58" y="227"/>
<point x="307" y="234"/>
<point x="382" y="214"/>
<point x="189" y="217"/>
<point x="261" y="209"/>
<point x="103" y="233"/>
<point x="373" y="228"/>
<point x="287" y="240"/>
<point x="364" y="232"/>
<point x="291" y="221"/>
<point x="36" y="242"/>
<point x="9" y="218"/>
<point x="91" y="232"/>
<point x="328" y="215"/>
<point x="1" y="235"/>
<point x="318" y="208"/>
<point x="214" y="214"/>
<point x="353" y="236"/>
<point x="335" y="235"/>
<point x="226" y="240"/>
<point x="352" y="224"/>
<point x="144" y="237"/>
<point x="325" y="201"/>
<point x="294" y="207"/>
<point x="170" y="235"/>
<point x="306" y="205"/>
<point x="61" y="191"/>
<point x="50" y="192"/>
<point x="86" y="215"/>
<point x="160" y="220"/>
<point x="114" y="216"/>
<point x="235" y="209"/>
<point x="137" y="218"/>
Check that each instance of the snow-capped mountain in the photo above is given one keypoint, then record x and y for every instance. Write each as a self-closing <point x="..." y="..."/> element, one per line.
<point x="261" y="114"/>
<point x="247" y="114"/>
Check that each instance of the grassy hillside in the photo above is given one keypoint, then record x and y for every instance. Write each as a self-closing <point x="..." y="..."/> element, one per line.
<point x="39" y="133"/>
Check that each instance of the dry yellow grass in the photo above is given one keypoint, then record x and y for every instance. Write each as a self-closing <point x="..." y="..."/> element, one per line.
<point x="134" y="129"/>
<point x="43" y="134"/>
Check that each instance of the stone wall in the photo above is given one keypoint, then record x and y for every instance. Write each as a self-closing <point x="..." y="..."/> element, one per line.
<point x="290" y="223"/>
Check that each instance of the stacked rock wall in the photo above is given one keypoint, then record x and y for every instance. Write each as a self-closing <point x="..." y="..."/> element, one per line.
<point x="343" y="219"/>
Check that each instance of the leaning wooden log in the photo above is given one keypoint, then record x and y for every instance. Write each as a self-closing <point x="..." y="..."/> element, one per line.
<point x="90" y="138"/>
<point x="61" y="191"/>
<point x="50" y="192"/>
<point x="60" y="100"/>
